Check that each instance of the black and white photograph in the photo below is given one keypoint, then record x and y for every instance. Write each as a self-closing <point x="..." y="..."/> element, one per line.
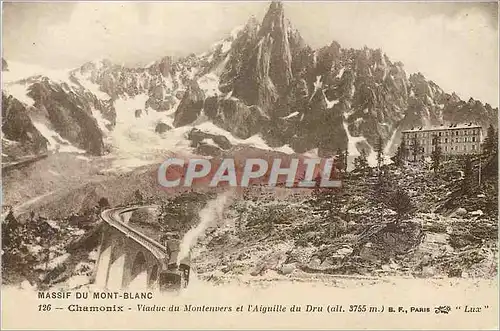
<point x="249" y="165"/>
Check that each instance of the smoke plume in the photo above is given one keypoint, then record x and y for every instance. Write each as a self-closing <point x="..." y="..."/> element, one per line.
<point x="212" y="211"/>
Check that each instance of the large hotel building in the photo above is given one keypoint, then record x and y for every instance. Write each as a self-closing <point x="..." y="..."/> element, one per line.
<point x="454" y="139"/>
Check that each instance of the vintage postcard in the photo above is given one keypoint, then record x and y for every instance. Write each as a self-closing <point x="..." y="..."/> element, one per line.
<point x="249" y="165"/>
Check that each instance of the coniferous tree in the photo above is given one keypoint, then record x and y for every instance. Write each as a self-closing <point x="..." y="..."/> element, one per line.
<point x="416" y="149"/>
<point x="490" y="143"/>
<point x="138" y="196"/>
<point x="346" y="160"/>
<point x="436" y="155"/>
<point x="401" y="154"/>
<point x="382" y="189"/>
<point x="328" y="201"/>
<point x="467" y="179"/>
<point x="340" y="161"/>
<point x="379" y="148"/>
<point x="490" y="154"/>
<point x="401" y="203"/>
<point x="361" y="162"/>
<point x="103" y="203"/>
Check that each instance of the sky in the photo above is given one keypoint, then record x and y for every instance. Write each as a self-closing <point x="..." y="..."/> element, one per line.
<point x="453" y="44"/>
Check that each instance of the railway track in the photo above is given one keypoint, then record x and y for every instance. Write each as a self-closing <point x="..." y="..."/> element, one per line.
<point x="115" y="217"/>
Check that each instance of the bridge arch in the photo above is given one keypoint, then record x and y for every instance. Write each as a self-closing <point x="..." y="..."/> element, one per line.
<point x="139" y="272"/>
<point x="116" y="270"/>
<point x="104" y="260"/>
<point x="153" y="278"/>
<point x="118" y="248"/>
<point x="139" y="264"/>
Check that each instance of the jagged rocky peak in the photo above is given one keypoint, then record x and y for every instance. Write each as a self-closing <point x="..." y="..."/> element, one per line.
<point x="252" y="25"/>
<point x="96" y="65"/>
<point x="271" y="67"/>
<point x="275" y="26"/>
<point x="164" y="65"/>
<point x="259" y="71"/>
<point x="274" y="18"/>
<point x="261" y="79"/>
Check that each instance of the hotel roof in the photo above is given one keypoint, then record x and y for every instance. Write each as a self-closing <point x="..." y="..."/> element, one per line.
<point x="444" y="127"/>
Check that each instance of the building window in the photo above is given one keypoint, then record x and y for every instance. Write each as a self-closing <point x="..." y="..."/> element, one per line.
<point x="473" y="147"/>
<point x="446" y="148"/>
<point x="473" y="139"/>
<point x="465" y="148"/>
<point x="446" y="140"/>
<point x="440" y="134"/>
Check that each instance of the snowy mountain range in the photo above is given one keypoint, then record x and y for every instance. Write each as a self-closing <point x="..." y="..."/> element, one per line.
<point x="262" y="86"/>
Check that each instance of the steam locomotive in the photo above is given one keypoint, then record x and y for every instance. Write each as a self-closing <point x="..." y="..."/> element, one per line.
<point x="175" y="274"/>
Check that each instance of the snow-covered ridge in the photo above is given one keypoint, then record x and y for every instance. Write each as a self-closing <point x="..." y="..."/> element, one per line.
<point x="160" y="87"/>
<point x="19" y="71"/>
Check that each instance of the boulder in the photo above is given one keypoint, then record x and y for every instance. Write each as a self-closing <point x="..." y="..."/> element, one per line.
<point x="428" y="272"/>
<point x="476" y="213"/>
<point x="287" y="269"/>
<point x="162" y="127"/>
<point x="161" y="104"/>
<point x="199" y="137"/>
<point x="222" y="141"/>
<point x="208" y="150"/>
<point x="460" y="212"/>
<point x="344" y="251"/>
<point x="315" y="263"/>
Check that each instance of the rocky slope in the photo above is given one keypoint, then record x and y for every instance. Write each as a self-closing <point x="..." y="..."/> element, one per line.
<point x="351" y="233"/>
<point x="19" y="135"/>
<point x="262" y="80"/>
